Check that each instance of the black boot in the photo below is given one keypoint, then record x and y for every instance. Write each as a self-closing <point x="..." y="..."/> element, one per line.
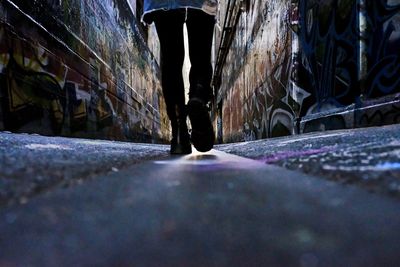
<point x="180" y="143"/>
<point x="202" y="135"/>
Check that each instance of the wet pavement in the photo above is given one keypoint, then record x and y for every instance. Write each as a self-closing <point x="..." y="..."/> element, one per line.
<point x="209" y="209"/>
<point x="106" y="203"/>
<point x="32" y="164"/>
<point x="368" y="157"/>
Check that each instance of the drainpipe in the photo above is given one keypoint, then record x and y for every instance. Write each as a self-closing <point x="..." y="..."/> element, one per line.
<point x="362" y="53"/>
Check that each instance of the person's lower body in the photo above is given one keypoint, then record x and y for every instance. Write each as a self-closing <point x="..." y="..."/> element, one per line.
<point x="169" y="25"/>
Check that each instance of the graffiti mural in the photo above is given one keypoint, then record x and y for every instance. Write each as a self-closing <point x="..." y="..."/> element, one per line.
<point x="258" y="68"/>
<point x="78" y="68"/>
<point x="328" y="39"/>
<point x="349" y="59"/>
<point x="311" y="65"/>
<point x="382" y="42"/>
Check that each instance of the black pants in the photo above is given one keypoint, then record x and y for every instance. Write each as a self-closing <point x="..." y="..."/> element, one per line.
<point x="200" y="27"/>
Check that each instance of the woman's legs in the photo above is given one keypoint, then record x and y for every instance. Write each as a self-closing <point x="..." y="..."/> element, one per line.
<point x="169" y="25"/>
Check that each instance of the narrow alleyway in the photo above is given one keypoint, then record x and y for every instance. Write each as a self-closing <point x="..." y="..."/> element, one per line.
<point x="77" y="202"/>
<point x="316" y="72"/>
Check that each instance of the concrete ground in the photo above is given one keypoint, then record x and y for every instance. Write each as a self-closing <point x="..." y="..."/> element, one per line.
<point x="368" y="157"/>
<point x="32" y="164"/>
<point x="102" y="203"/>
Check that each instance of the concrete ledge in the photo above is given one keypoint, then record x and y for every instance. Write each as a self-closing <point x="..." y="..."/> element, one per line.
<point x="378" y="112"/>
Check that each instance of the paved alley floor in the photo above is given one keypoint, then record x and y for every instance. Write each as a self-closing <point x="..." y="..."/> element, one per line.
<point x="366" y="157"/>
<point x="203" y="209"/>
<point x="33" y="164"/>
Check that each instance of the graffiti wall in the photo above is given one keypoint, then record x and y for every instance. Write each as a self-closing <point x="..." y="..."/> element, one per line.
<point x="78" y="68"/>
<point x="349" y="63"/>
<point x="380" y="41"/>
<point x="256" y="102"/>
<point x="297" y="66"/>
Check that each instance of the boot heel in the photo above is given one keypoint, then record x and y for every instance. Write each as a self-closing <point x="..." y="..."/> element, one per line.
<point x="180" y="143"/>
